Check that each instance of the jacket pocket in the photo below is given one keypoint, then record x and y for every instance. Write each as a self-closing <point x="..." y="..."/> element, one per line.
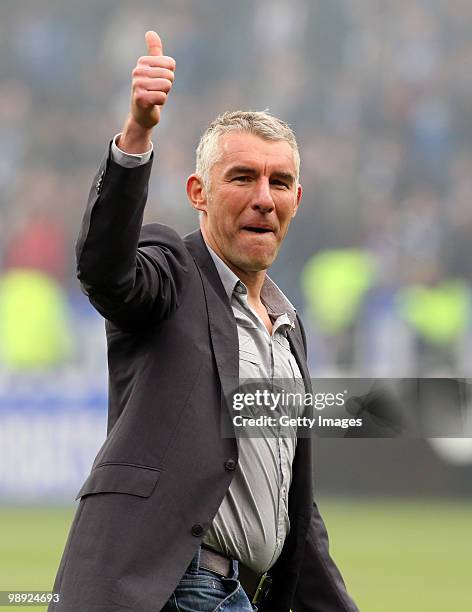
<point x="121" y="478"/>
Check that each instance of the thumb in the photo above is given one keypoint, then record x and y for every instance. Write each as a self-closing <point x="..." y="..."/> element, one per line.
<point x="153" y="42"/>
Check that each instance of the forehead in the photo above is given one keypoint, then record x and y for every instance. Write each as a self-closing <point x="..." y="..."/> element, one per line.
<point x="242" y="148"/>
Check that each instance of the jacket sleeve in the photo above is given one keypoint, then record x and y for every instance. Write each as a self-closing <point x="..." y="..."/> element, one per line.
<point x="130" y="274"/>
<point x="327" y="592"/>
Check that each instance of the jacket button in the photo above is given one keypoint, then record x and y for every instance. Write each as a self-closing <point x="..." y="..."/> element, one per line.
<point x="230" y="465"/>
<point x="197" y="530"/>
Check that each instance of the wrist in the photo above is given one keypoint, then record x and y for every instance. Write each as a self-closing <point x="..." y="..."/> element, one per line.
<point x="134" y="138"/>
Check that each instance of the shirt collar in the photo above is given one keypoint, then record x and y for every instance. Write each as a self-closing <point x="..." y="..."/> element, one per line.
<point x="274" y="299"/>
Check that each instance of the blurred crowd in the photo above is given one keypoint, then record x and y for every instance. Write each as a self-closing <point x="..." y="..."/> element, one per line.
<point x="379" y="94"/>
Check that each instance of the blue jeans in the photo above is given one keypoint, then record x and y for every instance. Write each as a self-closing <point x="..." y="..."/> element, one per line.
<point x="201" y="590"/>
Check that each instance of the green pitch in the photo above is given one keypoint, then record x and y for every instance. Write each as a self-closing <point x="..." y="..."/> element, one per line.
<point x="396" y="556"/>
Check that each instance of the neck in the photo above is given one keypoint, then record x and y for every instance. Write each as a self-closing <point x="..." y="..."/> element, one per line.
<point x="252" y="280"/>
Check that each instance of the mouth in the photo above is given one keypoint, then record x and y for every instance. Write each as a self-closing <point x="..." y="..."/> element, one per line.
<point x="258" y="229"/>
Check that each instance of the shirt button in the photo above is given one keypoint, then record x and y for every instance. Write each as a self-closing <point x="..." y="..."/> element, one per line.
<point x="197" y="530"/>
<point x="230" y="465"/>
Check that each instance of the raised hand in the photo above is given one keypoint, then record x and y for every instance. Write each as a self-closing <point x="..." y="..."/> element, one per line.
<point x="153" y="77"/>
<point x="152" y="80"/>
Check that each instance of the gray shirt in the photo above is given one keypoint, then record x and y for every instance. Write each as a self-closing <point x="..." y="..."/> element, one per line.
<point x="252" y="522"/>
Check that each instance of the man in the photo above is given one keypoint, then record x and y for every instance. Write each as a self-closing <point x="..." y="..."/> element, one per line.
<point x="175" y="516"/>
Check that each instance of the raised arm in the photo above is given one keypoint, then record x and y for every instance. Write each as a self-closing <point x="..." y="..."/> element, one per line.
<point x="127" y="277"/>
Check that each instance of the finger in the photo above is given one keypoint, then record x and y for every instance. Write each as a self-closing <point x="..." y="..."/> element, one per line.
<point x="153" y="73"/>
<point x="153" y="43"/>
<point x="157" y="61"/>
<point x="154" y="84"/>
<point x="147" y="99"/>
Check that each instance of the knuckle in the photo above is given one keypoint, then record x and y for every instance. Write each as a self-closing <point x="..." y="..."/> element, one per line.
<point x="168" y="62"/>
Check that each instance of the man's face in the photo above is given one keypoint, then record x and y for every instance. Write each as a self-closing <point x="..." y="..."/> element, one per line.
<point x="253" y="197"/>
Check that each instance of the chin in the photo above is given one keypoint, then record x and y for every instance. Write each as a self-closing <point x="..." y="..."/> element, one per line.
<point x="251" y="260"/>
<point x="257" y="264"/>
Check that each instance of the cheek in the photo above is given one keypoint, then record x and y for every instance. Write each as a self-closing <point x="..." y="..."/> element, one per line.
<point x="285" y="213"/>
<point x="230" y="213"/>
<point x="225" y="222"/>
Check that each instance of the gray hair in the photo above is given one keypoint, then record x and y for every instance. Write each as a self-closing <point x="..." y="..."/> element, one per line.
<point x="259" y="123"/>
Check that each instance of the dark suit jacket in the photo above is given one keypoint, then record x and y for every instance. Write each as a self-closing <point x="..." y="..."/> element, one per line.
<point x="160" y="477"/>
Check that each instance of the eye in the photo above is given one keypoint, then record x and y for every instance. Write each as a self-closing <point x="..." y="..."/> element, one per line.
<point x="242" y="178"/>
<point x="279" y="183"/>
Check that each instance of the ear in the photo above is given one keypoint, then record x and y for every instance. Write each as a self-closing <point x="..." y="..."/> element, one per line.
<point x="196" y="193"/>
<point x="298" y="200"/>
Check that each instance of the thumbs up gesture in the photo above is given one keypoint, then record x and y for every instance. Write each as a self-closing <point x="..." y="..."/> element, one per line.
<point x="152" y="80"/>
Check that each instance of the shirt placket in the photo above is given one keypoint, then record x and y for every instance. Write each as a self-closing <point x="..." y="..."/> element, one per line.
<point x="284" y="468"/>
<point x="284" y="463"/>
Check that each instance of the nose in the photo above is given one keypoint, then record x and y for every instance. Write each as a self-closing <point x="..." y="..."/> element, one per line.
<point x="263" y="201"/>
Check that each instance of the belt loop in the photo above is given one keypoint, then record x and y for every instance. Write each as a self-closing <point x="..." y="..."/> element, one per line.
<point x="195" y="563"/>
<point x="234" y="569"/>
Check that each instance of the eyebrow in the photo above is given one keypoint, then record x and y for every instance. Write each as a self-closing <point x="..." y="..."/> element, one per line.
<point x="240" y="170"/>
<point x="285" y="176"/>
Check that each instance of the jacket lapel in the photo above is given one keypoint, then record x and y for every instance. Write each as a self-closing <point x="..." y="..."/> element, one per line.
<point x="296" y="346"/>
<point x="223" y="330"/>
